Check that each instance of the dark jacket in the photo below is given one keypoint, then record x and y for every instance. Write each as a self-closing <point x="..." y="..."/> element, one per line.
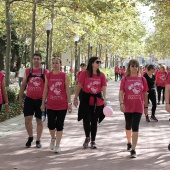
<point x="84" y="106"/>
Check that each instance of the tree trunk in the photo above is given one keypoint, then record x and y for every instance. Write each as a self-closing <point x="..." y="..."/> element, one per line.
<point x="1" y="59"/>
<point x="33" y="30"/>
<point x="51" y="38"/>
<point x="8" y="48"/>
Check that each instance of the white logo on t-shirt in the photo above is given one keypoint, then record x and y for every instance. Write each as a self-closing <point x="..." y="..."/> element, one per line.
<point x="93" y="86"/>
<point x="56" y="88"/>
<point x="135" y="87"/>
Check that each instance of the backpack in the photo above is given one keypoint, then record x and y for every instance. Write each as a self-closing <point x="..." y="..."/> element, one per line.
<point x="31" y="75"/>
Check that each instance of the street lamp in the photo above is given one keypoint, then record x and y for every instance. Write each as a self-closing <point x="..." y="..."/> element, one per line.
<point x="76" y="38"/>
<point x="48" y="27"/>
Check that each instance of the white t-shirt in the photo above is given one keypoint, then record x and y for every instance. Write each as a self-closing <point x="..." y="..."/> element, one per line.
<point x="21" y="72"/>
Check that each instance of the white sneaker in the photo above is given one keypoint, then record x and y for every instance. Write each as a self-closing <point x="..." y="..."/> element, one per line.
<point x="52" y="144"/>
<point x="57" y="149"/>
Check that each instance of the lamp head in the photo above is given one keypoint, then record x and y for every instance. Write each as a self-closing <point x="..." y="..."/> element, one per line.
<point x="48" y="25"/>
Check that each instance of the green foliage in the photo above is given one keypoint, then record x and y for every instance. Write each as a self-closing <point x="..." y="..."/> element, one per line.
<point x="12" y="95"/>
<point x="109" y="73"/>
<point x="14" y="110"/>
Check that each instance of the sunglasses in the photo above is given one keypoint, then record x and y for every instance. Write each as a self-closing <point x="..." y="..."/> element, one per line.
<point x="98" y="62"/>
<point x="134" y="66"/>
<point x="56" y="63"/>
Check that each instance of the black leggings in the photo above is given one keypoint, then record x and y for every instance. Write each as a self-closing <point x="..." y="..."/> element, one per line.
<point x="56" y="119"/>
<point x="152" y="98"/>
<point x="90" y="122"/>
<point x="159" y="90"/>
<point x="132" y="121"/>
<point x="116" y="76"/>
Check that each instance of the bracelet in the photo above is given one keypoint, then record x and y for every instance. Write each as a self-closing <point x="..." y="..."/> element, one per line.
<point x="121" y="104"/>
<point x="145" y="107"/>
<point x="70" y="103"/>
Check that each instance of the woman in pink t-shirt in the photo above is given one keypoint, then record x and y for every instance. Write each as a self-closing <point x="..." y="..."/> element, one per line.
<point x="57" y="93"/>
<point x="93" y="99"/>
<point x="3" y="92"/>
<point x="167" y="97"/>
<point x="133" y="100"/>
<point x="160" y="83"/>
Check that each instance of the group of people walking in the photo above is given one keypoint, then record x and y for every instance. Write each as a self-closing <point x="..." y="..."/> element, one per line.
<point x="48" y="91"/>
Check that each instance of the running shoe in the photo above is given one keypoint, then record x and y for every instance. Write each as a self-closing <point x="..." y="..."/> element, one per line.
<point x="154" y="118"/>
<point x="147" y="118"/>
<point x="52" y="144"/>
<point x="38" y="144"/>
<point x="129" y="147"/>
<point x="133" y="154"/>
<point x="28" y="144"/>
<point x="57" y="149"/>
<point x="93" y="145"/>
<point x="86" y="142"/>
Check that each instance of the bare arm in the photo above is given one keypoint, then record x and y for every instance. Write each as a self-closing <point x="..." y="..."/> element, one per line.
<point x="23" y="85"/>
<point x="145" y="96"/>
<point x="79" y="87"/>
<point x="121" y="96"/>
<point x="68" y="94"/>
<point x="45" y="92"/>
<point x="104" y="94"/>
<point x="167" y="91"/>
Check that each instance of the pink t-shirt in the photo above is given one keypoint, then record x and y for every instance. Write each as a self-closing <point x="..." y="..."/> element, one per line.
<point x="56" y="98"/>
<point x="1" y="79"/>
<point x="116" y="69"/>
<point x="35" y="85"/>
<point x="133" y="88"/>
<point x="168" y="82"/>
<point x="78" y="75"/>
<point x="161" y="78"/>
<point x="93" y="85"/>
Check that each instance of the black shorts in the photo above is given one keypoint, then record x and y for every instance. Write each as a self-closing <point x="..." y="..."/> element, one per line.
<point x="32" y="106"/>
<point x="56" y="119"/>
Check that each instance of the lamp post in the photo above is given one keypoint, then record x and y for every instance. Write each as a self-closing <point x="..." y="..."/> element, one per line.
<point x="48" y="27"/>
<point x="76" y="38"/>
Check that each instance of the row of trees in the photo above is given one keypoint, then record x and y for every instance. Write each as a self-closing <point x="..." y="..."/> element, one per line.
<point x="114" y="24"/>
<point x="158" y="42"/>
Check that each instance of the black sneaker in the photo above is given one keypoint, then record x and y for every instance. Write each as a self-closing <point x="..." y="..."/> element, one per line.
<point x="93" y="145"/>
<point x="147" y="118"/>
<point x="28" y="144"/>
<point x="158" y="103"/>
<point x="154" y="118"/>
<point x="169" y="147"/>
<point x="133" y="154"/>
<point x="38" y="144"/>
<point x="86" y="142"/>
<point x="129" y="147"/>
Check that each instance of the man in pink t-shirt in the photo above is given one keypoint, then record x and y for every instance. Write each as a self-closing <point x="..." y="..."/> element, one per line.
<point x="33" y="81"/>
<point x="3" y="92"/>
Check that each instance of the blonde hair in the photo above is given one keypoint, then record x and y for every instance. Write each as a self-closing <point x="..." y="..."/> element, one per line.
<point x="132" y="62"/>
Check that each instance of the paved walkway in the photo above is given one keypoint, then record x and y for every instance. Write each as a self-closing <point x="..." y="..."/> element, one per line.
<point x="111" y="153"/>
